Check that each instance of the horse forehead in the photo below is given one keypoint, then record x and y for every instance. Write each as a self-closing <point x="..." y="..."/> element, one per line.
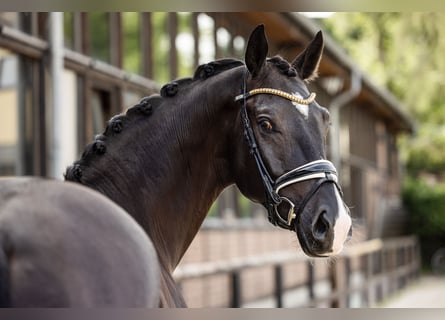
<point x="302" y="108"/>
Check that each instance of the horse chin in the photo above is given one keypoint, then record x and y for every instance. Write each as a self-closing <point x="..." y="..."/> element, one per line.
<point x="324" y="226"/>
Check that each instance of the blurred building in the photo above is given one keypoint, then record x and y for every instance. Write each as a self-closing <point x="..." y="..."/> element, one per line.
<point x="112" y="60"/>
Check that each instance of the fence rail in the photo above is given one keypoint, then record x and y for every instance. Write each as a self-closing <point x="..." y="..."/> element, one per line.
<point x="362" y="275"/>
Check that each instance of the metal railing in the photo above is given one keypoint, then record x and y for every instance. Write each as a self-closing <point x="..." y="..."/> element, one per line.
<point x="363" y="275"/>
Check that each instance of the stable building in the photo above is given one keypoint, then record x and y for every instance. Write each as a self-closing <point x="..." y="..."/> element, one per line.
<point x="62" y="76"/>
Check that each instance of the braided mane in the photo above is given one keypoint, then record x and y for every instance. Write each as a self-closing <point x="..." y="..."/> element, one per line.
<point x="143" y="109"/>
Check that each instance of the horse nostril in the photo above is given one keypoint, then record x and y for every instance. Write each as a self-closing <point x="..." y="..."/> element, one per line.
<point x="321" y="227"/>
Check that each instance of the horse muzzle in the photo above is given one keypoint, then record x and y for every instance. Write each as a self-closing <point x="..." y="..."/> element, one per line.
<point x="323" y="227"/>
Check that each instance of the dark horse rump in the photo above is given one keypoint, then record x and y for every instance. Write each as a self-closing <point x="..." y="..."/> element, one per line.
<point x="62" y="244"/>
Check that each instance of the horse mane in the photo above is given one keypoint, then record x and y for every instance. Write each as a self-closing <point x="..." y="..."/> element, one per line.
<point x="147" y="105"/>
<point x="143" y="109"/>
<point x="215" y="67"/>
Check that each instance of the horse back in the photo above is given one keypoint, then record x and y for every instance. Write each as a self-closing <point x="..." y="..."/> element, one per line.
<point x="64" y="245"/>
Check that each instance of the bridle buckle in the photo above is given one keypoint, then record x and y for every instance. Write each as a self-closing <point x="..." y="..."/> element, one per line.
<point x="323" y="171"/>
<point x="291" y="215"/>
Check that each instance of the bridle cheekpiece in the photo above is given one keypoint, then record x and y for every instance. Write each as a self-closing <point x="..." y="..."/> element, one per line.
<point x="322" y="170"/>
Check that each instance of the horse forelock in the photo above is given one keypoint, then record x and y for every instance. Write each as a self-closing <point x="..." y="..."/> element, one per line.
<point x="283" y="66"/>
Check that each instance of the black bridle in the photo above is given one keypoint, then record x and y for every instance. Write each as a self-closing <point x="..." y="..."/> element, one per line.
<point x="322" y="170"/>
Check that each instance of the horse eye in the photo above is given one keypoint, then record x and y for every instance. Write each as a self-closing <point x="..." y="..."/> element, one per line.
<point x="266" y="125"/>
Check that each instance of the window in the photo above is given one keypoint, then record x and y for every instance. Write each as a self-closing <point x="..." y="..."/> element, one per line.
<point x="22" y="124"/>
<point x="362" y="134"/>
<point x="8" y="113"/>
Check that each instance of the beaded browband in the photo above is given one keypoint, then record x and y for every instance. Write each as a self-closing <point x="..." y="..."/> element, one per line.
<point x="276" y="92"/>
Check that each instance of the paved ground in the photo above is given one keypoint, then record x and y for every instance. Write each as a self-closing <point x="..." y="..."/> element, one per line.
<point x="427" y="292"/>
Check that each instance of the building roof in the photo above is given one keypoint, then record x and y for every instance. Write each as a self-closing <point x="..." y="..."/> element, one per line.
<point x="292" y="31"/>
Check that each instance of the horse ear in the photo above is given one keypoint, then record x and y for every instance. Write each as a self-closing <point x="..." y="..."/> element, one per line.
<point x="307" y="62"/>
<point x="256" y="51"/>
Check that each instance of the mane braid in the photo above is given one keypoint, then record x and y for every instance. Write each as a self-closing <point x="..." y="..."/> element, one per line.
<point x="115" y="126"/>
<point x="144" y="108"/>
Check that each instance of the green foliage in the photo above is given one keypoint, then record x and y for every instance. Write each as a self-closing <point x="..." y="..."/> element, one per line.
<point x="427" y="207"/>
<point x="99" y="36"/>
<point x="400" y="51"/>
<point x="404" y="53"/>
<point x="131" y="39"/>
<point x="244" y="206"/>
<point x="68" y="32"/>
<point x="185" y="55"/>
<point x="161" y="47"/>
<point x="426" y="153"/>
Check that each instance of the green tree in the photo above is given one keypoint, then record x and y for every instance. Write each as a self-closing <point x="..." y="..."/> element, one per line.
<point x="131" y="38"/>
<point x="404" y="52"/>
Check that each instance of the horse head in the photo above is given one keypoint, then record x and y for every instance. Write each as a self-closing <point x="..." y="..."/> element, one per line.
<point x="284" y="166"/>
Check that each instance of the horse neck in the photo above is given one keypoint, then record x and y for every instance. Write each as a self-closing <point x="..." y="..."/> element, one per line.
<point x="167" y="170"/>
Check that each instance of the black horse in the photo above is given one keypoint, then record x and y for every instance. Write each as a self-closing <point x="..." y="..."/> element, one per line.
<point x="164" y="162"/>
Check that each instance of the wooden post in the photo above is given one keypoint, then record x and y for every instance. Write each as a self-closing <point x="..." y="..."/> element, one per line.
<point x="369" y="278"/>
<point x="146" y="36"/>
<point x="195" y="32"/>
<point x="310" y="281"/>
<point x="116" y="39"/>
<point x="348" y="271"/>
<point x="339" y="283"/>
<point x="236" y="290"/>
<point x="278" y="271"/>
<point x="365" y="290"/>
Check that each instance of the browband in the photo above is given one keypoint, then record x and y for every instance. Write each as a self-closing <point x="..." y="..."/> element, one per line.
<point x="277" y="92"/>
